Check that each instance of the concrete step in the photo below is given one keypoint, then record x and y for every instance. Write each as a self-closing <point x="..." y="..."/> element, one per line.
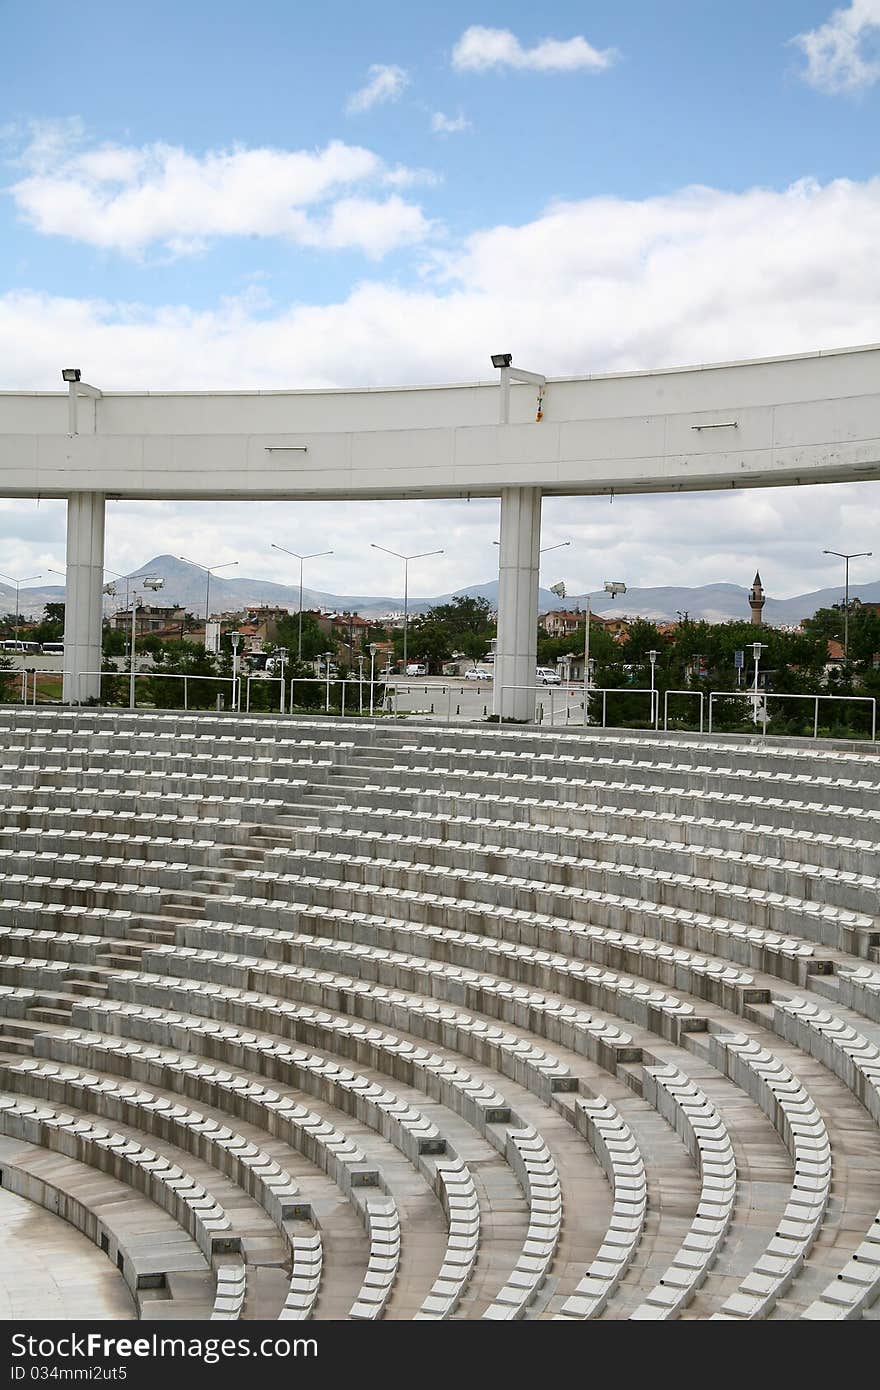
<point x="42" y="1013"/>
<point x="186" y="912"/>
<point x="97" y="989"/>
<point x="112" y="960"/>
<point x="154" y="931"/>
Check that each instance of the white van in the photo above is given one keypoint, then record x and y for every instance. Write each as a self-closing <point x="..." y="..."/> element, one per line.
<point x="545" y="675"/>
<point x="416" y="668"/>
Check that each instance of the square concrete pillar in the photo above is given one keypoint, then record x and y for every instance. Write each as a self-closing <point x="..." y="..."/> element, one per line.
<point x="83" y="599"/>
<point x="517" y="645"/>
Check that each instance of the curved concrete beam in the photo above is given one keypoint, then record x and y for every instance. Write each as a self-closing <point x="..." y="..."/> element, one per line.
<point x="775" y="422"/>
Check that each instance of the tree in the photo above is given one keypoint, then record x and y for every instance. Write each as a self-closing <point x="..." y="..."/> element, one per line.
<point x="465" y="624"/>
<point x="114" y="642"/>
<point x="10" y="678"/>
<point x="315" y="641"/>
<point x="50" y="628"/>
<point x="603" y="648"/>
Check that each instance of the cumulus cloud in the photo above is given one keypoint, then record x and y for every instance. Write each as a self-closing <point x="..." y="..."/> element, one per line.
<point x="385" y="82"/>
<point x="843" y="55"/>
<point x="604" y="284"/>
<point x="481" y="49"/>
<point x="597" y="285"/>
<point x="129" y="199"/>
<point x="448" y="125"/>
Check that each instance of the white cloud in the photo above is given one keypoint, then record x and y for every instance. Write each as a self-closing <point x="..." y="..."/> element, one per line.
<point x="448" y="125"/>
<point x="375" y="228"/>
<point x="129" y="199"/>
<point x="843" y="54"/>
<point x="599" y="285"/>
<point x="385" y="82"/>
<point x="480" y="49"/>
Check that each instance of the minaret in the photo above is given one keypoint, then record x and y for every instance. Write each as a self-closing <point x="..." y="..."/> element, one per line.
<point x="756" y="600"/>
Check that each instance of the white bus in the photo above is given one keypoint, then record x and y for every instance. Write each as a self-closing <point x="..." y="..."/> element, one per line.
<point x="15" y="644"/>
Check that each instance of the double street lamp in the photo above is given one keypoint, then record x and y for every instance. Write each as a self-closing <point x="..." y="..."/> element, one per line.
<point x="846" y="557"/>
<point x="209" y="570"/>
<point x="422" y="555"/>
<point x="612" y="587"/>
<point x="153" y="582"/>
<point x="316" y="555"/>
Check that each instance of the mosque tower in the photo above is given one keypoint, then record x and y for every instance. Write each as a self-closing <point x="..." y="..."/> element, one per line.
<point x="756" y="600"/>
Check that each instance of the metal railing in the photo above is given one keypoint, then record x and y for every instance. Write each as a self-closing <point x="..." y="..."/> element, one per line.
<point x="575" y="690"/>
<point x="155" y="676"/>
<point x="765" y="695"/>
<point x="698" y="694"/>
<point x="554" y="705"/>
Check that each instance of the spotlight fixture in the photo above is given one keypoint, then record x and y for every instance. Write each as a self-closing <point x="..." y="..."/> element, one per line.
<point x="71" y="374"/>
<point x="502" y="359"/>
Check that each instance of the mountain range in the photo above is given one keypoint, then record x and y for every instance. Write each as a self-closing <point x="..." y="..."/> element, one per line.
<point x="185" y="585"/>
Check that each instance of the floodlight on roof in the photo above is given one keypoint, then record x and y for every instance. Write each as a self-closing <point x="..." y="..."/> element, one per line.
<point x="502" y="359"/>
<point x="558" y="589"/>
<point x="70" y="374"/>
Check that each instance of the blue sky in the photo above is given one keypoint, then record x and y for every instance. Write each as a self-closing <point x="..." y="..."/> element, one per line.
<point x="700" y="93"/>
<point x="195" y="195"/>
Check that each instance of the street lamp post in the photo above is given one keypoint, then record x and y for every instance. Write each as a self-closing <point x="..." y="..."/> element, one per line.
<point x="152" y="582"/>
<point x="842" y="555"/>
<point x="360" y="661"/>
<point x="373" y="650"/>
<point x="757" y="649"/>
<point x="126" y="577"/>
<point x="423" y="554"/>
<point x="327" y="659"/>
<point x="316" y="555"/>
<point x="18" y="583"/>
<point x="655" y="705"/>
<point x="235" y="639"/>
<point x="209" y="570"/>
<point x="612" y="587"/>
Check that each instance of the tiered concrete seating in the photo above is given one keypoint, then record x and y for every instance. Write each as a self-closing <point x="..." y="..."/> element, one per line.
<point x="531" y="1158"/>
<point x="231" y="1289"/>
<point x="618" y="1152"/>
<point x="697" y="1121"/>
<point x="802" y="1128"/>
<point x="462" y="1205"/>
<point x="383" y="1224"/>
<point x="170" y="1186"/>
<point x="489" y="960"/>
<point x="305" y="1278"/>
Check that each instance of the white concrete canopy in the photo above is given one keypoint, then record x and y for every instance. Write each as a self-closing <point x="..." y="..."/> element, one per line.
<point x="774" y="422"/>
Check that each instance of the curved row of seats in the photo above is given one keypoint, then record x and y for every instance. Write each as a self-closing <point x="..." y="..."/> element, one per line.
<point x="489" y="1023"/>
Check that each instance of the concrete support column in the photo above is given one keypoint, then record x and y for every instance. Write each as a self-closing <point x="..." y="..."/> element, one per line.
<point x="517" y="645"/>
<point x="83" y="612"/>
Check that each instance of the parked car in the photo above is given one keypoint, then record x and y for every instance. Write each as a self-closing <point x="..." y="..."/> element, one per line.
<point x="475" y="674"/>
<point x="545" y="675"/>
<point x="416" y="668"/>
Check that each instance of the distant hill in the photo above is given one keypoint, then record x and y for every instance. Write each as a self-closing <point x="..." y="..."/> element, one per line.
<point x="185" y="584"/>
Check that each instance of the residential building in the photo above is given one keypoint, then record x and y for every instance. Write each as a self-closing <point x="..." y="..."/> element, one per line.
<point x="151" y="619"/>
